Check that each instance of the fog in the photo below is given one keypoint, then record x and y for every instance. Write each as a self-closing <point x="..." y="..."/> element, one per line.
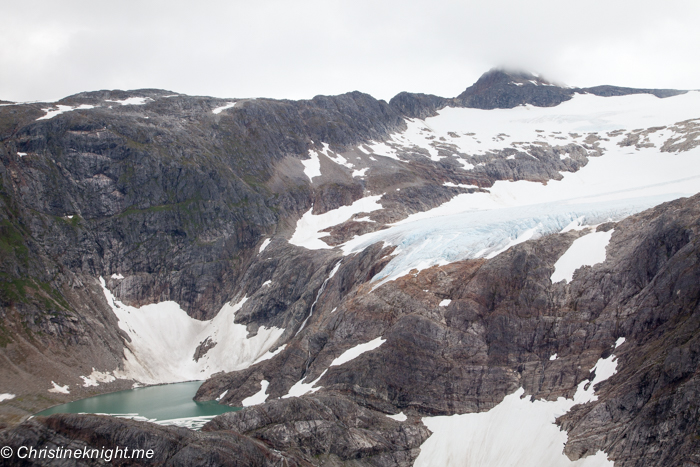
<point x="298" y="49"/>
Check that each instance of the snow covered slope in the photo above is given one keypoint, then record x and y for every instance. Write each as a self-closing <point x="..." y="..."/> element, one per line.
<point x="520" y="431"/>
<point x="164" y="342"/>
<point x="650" y="155"/>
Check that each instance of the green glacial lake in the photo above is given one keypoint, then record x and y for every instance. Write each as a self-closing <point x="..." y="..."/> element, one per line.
<point x="168" y="404"/>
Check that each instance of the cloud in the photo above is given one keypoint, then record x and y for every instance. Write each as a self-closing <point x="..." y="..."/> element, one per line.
<point x="297" y="49"/>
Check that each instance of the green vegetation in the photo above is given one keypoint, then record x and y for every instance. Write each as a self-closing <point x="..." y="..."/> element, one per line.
<point x="27" y="290"/>
<point x="12" y="242"/>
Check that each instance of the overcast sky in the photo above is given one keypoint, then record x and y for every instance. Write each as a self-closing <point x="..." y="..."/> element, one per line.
<point x="298" y="49"/>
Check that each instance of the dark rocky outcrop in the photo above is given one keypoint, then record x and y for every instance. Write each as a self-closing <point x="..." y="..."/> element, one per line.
<point x="608" y="91"/>
<point x="499" y="89"/>
<point x="329" y="431"/>
<point x="415" y="105"/>
<point x="170" y="446"/>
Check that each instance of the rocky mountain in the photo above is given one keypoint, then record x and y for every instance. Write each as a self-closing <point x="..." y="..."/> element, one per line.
<point x="364" y="277"/>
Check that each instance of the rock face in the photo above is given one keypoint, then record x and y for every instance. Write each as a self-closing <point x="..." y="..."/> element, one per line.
<point x="503" y="323"/>
<point x="195" y="199"/>
<point x="170" y="446"/>
<point x="328" y="430"/>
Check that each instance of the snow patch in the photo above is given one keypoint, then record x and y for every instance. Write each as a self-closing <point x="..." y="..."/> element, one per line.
<point x="59" y="389"/>
<point x="116" y="276"/>
<point x="360" y="172"/>
<point x="553" y="357"/>
<point x="465" y="165"/>
<point x="445" y="302"/>
<point x="461" y="185"/>
<point x="619" y="342"/>
<point x="264" y="245"/>
<point x="300" y="388"/>
<point x="604" y="369"/>
<point x="222" y="395"/>
<point x="576" y="224"/>
<point x="6" y="397"/>
<point x="383" y="149"/>
<point x="585" y="251"/>
<point x="21" y="154"/>
<point x="312" y="166"/>
<point x="97" y="377"/>
<point x="356" y="351"/>
<point x="132" y="101"/>
<point x="218" y="110"/>
<point x="308" y="230"/>
<point x="154" y="357"/>
<point x="259" y="397"/>
<point x="51" y="113"/>
<point x="337" y="158"/>
<point x="400" y="417"/>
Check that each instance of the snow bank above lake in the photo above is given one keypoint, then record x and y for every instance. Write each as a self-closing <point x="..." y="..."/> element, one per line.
<point x="164" y="341"/>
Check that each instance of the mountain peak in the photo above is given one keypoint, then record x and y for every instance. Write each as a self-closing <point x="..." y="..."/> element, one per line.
<point x="502" y="89"/>
<point x="503" y="75"/>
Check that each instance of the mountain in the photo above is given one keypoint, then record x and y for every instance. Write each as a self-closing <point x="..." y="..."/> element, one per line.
<point x="371" y="280"/>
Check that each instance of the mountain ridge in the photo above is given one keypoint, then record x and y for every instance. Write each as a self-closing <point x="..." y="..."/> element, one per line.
<point x="263" y="206"/>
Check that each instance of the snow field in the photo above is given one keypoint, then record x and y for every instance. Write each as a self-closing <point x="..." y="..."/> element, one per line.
<point x="624" y="181"/>
<point x="164" y="340"/>
<point x="517" y="432"/>
<point x="619" y="183"/>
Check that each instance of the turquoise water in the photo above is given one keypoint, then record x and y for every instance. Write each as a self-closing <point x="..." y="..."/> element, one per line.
<point x="168" y="404"/>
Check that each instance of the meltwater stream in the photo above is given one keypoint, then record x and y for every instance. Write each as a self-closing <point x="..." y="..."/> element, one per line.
<point x="167" y="404"/>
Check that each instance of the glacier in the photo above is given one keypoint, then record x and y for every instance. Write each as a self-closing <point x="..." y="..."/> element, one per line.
<point x="624" y="180"/>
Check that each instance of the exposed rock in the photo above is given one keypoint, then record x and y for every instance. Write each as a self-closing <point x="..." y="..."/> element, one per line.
<point x="499" y="89"/>
<point x="168" y="200"/>
<point x="420" y="106"/>
<point x="608" y="91"/>
<point x="328" y="431"/>
<point x="504" y="321"/>
<point x="170" y="446"/>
